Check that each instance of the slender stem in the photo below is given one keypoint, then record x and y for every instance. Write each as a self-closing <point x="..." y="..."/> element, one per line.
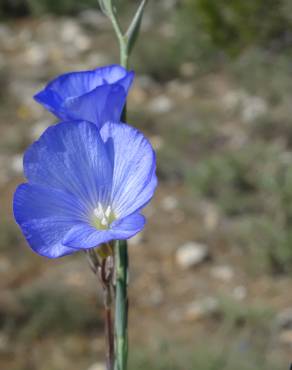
<point x="121" y="247"/>
<point x="110" y="338"/>
<point x="105" y="273"/>
<point x="121" y="305"/>
<point x="103" y="270"/>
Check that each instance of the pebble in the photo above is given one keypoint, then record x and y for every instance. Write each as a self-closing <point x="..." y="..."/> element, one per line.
<point x="35" y="55"/>
<point x="71" y="33"/>
<point x="286" y="337"/>
<point x="210" y="215"/>
<point x="250" y="107"/>
<point x="191" y="254"/>
<point x="169" y="203"/>
<point x="284" y="319"/>
<point x="161" y="104"/>
<point x="69" y="30"/>
<point x="155" y="297"/>
<point x="180" y="90"/>
<point x="16" y="164"/>
<point x="201" y="308"/>
<point x="188" y="69"/>
<point x="4" y="343"/>
<point x="97" y="366"/>
<point x="254" y="108"/>
<point x="224" y="273"/>
<point x="5" y="265"/>
<point x="239" y="293"/>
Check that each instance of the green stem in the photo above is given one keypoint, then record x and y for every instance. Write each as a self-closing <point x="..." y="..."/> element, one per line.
<point x="121" y="268"/>
<point x="126" y="43"/>
<point x="121" y="307"/>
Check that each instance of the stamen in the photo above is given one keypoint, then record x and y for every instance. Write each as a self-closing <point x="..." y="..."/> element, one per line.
<point x="108" y="211"/>
<point x="102" y="219"/>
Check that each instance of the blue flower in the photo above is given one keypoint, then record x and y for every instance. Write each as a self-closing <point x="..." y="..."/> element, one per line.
<point x="85" y="187"/>
<point x="96" y="96"/>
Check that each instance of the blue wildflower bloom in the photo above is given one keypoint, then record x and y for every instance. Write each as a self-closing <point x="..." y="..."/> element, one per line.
<point x="97" y="96"/>
<point x="85" y="187"/>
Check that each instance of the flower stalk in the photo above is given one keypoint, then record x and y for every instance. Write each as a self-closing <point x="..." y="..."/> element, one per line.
<point x="103" y="269"/>
<point x="126" y="45"/>
<point x="121" y="304"/>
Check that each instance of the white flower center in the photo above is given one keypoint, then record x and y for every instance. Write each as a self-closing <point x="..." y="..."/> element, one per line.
<point x="102" y="216"/>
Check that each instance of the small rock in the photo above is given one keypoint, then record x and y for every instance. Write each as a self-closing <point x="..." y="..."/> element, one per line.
<point x="210" y="215"/>
<point x="254" y="108"/>
<point x="191" y="254"/>
<point x="169" y="203"/>
<point x="232" y="101"/>
<point x="5" y="265"/>
<point x="4" y="343"/>
<point x="16" y="164"/>
<point x="284" y="319"/>
<point x="250" y="107"/>
<point x="160" y="104"/>
<point x="72" y="34"/>
<point x="239" y="293"/>
<point x="69" y="30"/>
<point x="156" y="297"/>
<point x="83" y="43"/>
<point x="202" y="308"/>
<point x="36" y="55"/>
<point x="97" y="366"/>
<point x="188" y="70"/>
<point x="224" y="273"/>
<point x="180" y="90"/>
<point x="286" y="337"/>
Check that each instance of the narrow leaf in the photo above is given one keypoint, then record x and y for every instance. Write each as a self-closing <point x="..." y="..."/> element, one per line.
<point x="134" y="28"/>
<point x="105" y="6"/>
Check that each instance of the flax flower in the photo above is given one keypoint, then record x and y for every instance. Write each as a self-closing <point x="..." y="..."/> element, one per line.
<point x="84" y="187"/>
<point x="97" y="96"/>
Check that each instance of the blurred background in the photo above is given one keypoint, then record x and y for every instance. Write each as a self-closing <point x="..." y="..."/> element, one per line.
<point x="211" y="274"/>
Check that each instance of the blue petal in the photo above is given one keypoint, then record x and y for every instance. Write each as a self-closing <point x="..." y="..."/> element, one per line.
<point x="84" y="236"/>
<point x="104" y="103"/>
<point x="72" y="158"/>
<point x="67" y="95"/>
<point x="134" y="163"/>
<point x="52" y="101"/>
<point x="127" y="227"/>
<point x="45" y="216"/>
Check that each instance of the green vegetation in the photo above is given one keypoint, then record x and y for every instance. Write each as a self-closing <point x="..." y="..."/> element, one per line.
<point x="54" y="311"/>
<point x="25" y="7"/>
<point x="210" y="355"/>
<point x="253" y="188"/>
<point x="233" y="26"/>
